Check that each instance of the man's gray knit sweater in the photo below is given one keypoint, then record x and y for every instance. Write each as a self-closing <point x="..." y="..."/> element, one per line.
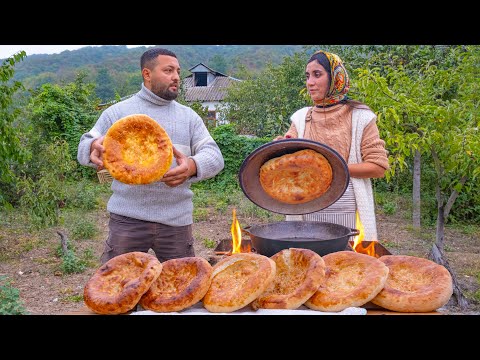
<point x="158" y="202"/>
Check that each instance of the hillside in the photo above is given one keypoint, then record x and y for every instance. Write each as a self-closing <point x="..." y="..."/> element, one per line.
<point x="117" y="67"/>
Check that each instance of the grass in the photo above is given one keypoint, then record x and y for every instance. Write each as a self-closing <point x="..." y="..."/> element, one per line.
<point x="73" y="298"/>
<point x="200" y="214"/>
<point x="209" y="243"/>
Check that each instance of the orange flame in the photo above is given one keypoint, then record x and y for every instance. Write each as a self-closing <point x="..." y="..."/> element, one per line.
<point x="358" y="240"/>
<point x="236" y="234"/>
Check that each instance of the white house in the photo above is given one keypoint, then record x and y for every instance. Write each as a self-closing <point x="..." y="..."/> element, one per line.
<point x="208" y="87"/>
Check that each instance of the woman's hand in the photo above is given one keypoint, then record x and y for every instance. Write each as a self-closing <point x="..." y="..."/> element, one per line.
<point x="185" y="169"/>
<point x="96" y="152"/>
<point x="282" y="137"/>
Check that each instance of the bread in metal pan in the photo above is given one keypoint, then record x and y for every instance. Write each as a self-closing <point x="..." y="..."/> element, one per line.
<point x="237" y="280"/>
<point x="299" y="274"/>
<point x="352" y="279"/>
<point x="414" y="284"/>
<point x="117" y="286"/>
<point x="137" y="150"/>
<point x="182" y="283"/>
<point x="296" y="178"/>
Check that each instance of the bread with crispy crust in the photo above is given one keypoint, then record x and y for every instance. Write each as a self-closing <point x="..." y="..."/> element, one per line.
<point x="299" y="274"/>
<point x="137" y="150"/>
<point x="237" y="280"/>
<point x="414" y="284"/>
<point x="296" y="178"/>
<point x="182" y="283"/>
<point x="352" y="279"/>
<point x="117" y="286"/>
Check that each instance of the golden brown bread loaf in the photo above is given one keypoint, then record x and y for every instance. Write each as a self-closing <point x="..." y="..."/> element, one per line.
<point x="182" y="283"/>
<point x="296" y="178"/>
<point x="117" y="286"/>
<point x="352" y="279"/>
<point x="237" y="280"/>
<point x="137" y="150"/>
<point x="299" y="274"/>
<point x="414" y="285"/>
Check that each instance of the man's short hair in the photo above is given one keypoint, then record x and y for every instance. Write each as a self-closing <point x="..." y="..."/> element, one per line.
<point x="148" y="58"/>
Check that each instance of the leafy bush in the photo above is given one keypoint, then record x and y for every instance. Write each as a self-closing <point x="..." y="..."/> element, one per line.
<point x="83" y="228"/>
<point x="85" y="194"/>
<point x="43" y="189"/>
<point x="235" y="148"/>
<point x="10" y="303"/>
<point x="71" y="264"/>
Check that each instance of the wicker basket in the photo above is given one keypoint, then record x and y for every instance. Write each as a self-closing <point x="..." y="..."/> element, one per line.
<point x="104" y="176"/>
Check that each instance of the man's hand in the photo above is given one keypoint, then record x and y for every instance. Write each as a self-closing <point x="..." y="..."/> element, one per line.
<point x="185" y="168"/>
<point x="96" y="152"/>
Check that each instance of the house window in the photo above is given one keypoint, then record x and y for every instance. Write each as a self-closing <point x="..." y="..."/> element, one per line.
<point x="201" y="79"/>
<point x="212" y="114"/>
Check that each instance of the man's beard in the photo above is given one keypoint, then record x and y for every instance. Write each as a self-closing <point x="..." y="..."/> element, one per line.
<point x="164" y="92"/>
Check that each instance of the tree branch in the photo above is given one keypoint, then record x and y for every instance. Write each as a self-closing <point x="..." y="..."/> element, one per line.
<point x="64" y="241"/>
<point x="452" y="198"/>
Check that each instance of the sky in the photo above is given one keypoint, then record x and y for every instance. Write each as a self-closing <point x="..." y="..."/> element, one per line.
<point x="8" y="50"/>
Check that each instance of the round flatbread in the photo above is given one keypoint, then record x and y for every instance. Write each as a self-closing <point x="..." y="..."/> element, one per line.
<point x="296" y="178"/>
<point x="137" y="150"/>
<point x="117" y="286"/>
<point x="414" y="285"/>
<point x="299" y="274"/>
<point x="182" y="283"/>
<point x="237" y="280"/>
<point x="352" y="279"/>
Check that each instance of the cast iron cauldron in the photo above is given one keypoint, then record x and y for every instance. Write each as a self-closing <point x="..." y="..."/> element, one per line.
<point x="321" y="237"/>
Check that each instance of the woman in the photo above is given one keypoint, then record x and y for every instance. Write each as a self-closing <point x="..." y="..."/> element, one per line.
<point x="350" y="128"/>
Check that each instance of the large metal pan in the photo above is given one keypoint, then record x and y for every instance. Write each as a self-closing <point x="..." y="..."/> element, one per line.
<point x="249" y="177"/>
<point x="323" y="238"/>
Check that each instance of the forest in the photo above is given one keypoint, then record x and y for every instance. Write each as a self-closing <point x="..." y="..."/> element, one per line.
<point x="115" y="69"/>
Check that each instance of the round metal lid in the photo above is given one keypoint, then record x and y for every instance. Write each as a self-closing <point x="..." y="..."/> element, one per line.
<point x="249" y="177"/>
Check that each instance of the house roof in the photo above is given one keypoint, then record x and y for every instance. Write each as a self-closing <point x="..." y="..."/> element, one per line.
<point x="201" y="66"/>
<point x="215" y="91"/>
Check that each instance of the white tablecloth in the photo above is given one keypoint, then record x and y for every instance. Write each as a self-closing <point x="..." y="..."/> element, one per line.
<point x="198" y="309"/>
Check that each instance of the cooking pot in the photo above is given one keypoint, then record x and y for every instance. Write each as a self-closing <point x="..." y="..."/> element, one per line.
<point x="249" y="176"/>
<point x="321" y="237"/>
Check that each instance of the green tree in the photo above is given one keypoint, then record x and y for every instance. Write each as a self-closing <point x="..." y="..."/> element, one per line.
<point x="105" y="87"/>
<point x="262" y="105"/>
<point x="218" y="63"/>
<point x="11" y="150"/>
<point x="63" y="112"/>
<point x="431" y="109"/>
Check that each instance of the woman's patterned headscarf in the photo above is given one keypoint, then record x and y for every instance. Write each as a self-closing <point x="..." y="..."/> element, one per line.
<point x="340" y="82"/>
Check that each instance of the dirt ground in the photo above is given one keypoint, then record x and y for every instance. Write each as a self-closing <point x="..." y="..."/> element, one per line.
<point x="45" y="290"/>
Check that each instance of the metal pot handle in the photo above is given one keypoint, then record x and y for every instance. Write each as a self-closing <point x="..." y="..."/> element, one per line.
<point x="244" y="230"/>
<point x="353" y="232"/>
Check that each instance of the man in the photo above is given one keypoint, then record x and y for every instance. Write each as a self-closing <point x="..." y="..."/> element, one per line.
<point x="159" y="215"/>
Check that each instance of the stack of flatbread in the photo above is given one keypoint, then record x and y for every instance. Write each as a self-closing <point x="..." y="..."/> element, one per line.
<point x="287" y="280"/>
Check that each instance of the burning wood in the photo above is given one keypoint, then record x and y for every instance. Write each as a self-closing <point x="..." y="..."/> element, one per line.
<point x="361" y="246"/>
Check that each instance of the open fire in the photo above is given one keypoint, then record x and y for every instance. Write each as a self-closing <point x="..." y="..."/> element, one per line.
<point x="372" y="248"/>
<point x="358" y="240"/>
<point x="237" y="245"/>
